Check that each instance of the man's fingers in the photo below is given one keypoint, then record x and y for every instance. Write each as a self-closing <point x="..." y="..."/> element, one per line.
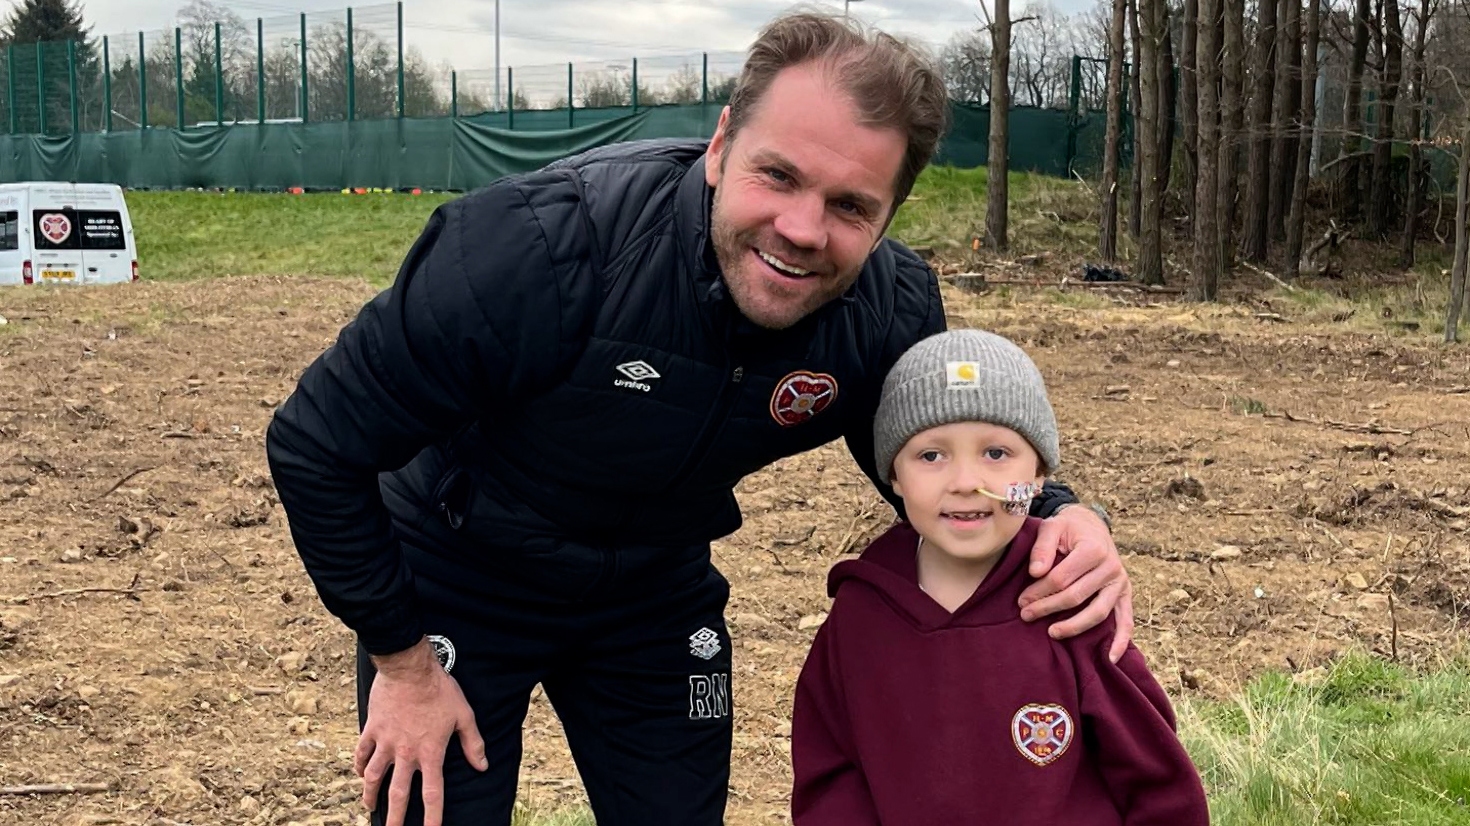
<point x="1044" y="549"/>
<point x="398" y="791"/>
<point x="433" y="792"/>
<point x="471" y="742"/>
<point x="372" y="777"/>
<point x="1096" y="611"/>
<point x="1071" y="594"/>
<point x="362" y="754"/>
<point x="1043" y="596"/>
<point x="1124" y="633"/>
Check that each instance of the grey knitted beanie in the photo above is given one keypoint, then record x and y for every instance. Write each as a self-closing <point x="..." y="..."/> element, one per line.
<point x="964" y="376"/>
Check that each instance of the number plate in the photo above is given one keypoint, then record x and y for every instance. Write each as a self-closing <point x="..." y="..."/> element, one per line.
<point x="58" y="275"/>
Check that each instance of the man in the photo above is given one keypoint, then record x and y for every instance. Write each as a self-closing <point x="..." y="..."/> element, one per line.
<point x="570" y="374"/>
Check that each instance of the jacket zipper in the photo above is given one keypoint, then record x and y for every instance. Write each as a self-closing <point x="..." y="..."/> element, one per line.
<point x="724" y="403"/>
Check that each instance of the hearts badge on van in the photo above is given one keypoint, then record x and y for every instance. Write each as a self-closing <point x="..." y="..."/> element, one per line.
<point x="55" y="227"/>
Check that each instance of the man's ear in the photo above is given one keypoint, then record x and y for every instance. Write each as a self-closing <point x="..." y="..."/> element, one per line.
<point x="714" y="157"/>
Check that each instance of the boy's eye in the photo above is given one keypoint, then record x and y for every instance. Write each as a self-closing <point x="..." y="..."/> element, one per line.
<point x="929" y="456"/>
<point x="995" y="454"/>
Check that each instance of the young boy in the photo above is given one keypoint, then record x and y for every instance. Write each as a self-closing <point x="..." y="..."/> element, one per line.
<point x="925" y="699"/>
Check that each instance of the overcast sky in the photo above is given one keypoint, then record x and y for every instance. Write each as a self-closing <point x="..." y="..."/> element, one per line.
<point x="462" y="32"/>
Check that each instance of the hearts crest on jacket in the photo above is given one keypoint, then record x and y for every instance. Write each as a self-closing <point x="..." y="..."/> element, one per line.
<point x="1042" y="732"/>
<point x="802" y="395"/>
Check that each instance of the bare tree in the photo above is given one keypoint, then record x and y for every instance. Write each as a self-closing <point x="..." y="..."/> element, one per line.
<point x="1189" y="96"/>
<point x="1207" y="261"/>
<point x="1232" y="115"/>
<point x="1352" y="112"/>
<point x="1380" y="205"/>
<point x="1462" y="241"/>
<point x="1151" y="38"/>
<point x="1135" y="106"/>
<point x="966" y="62"/>
<point x="1283" y="113"/>
<point x="1259" y="125"/>
<point x="1108" y="229"/>
<point x="998" y="190"/>
<point x="1415" y="202"/>
<point x="1296" y="220"/>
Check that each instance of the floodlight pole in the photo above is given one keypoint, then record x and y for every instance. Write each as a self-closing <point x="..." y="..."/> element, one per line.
<point x="845" y="4"/>
<point x="497" y="55"/>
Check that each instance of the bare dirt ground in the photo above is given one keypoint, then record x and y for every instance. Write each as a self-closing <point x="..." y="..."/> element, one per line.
<point x="158" y="635"/>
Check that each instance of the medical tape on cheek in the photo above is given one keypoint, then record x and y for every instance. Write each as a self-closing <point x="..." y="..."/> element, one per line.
<point x="1017" y="501"/>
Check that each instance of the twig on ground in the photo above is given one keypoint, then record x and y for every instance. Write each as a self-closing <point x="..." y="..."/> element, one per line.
<point x="132" y="591"/>
<point x="1253" y="268"/>
<point x="56" y="788"/>
<point x="1352" y="427"/>
<point x="119" y="483"/>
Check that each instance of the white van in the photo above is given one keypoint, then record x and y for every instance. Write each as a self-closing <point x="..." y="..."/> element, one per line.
<point x="61" y="233"/>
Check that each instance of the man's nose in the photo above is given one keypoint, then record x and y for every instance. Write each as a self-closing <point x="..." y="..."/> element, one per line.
<point x="804" y="222"/>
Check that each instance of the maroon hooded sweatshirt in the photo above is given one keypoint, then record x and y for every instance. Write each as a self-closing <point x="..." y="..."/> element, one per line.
<point x="906" y="714"/>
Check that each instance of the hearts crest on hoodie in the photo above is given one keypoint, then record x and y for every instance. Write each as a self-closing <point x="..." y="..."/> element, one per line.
<point x="1042" y="732"/>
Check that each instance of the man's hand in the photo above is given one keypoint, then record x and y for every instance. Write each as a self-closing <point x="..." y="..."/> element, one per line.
<point x="414" y="707"/>
<point x="1089" y="570"/>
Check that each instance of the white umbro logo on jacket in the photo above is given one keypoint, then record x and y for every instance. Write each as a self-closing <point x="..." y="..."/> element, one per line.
<point x="638" y="374"/>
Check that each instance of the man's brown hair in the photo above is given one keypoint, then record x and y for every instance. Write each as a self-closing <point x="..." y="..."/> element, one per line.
<point x="893" y="83"/>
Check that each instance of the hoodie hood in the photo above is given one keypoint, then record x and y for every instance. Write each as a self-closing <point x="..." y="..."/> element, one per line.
<point x="889" y="569"/>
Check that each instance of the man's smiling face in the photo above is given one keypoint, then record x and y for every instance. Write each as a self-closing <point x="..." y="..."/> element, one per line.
<point x="803" y="192"/>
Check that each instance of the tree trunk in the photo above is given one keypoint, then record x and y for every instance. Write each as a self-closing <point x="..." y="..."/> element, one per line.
<point x="1150" y="268"/>
<point x="1168" y="96"/>
<point x="1107" y="236"/>
<point x="1189" y="82"/>
<point x="1231" y="121"/>
<point x="1283" y="117"/>
<point x="1416" y="154"/>
<point x="1207" y="261"/>
<point x="1135" y="106"/>
<point x="1301" y="177"/>
<point x="1380" y="202"/>
<point x="997" y="200"/>
<point x="1462" y="241"/>
<point x="1258" y="173"/>
<point x="1352" y="110"/>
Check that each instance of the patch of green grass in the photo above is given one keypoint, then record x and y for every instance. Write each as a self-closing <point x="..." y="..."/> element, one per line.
<point x="1370" y="743"/>
<point x="947" y="212"/>
<point x="1242" y="406"/>
<point x="184" y="235"/>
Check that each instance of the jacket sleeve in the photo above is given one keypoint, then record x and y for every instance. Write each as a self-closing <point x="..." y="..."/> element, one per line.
<point x="1130" y="730"/>
<point x="484" y="310"/>
<point x="829" y="788"/>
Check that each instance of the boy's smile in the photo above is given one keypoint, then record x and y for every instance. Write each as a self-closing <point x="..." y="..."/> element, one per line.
<point x="948" y="477"/>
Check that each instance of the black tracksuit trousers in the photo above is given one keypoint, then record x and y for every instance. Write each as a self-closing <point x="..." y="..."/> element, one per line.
<point x="631" y="647"/>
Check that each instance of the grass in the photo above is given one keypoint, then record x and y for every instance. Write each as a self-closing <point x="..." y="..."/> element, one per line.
<point x="1368" y="743"/>
<point x="185" y="235"/>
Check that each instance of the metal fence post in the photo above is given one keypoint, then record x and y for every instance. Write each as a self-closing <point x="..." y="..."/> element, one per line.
<point x="453" y="94"/>
<point x="635" y="85"/>
<point x="10" y="83"/>
<point x="351" y="71"/>
<point x="219" y="82"/>
<point x="260" y="70"/>
<point x="71" y="84"/>
<point x="142" y="84"/>
<point x="704" y="82"/>
<point x="305" y="100"/>
<point x="41" y="86"/>
<point x="1076" y="91"/>
<point x="570" y="107"/>
<point x="400" y="60"/>
<point x="106" y="87"/>
<point x="510" y="100"/>
<point x="179" y="75"/>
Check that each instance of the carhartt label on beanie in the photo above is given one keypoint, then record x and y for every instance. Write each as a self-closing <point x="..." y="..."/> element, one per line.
<point x="964" y="376"/>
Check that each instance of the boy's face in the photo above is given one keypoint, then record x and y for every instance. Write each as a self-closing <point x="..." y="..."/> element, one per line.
<point x="939" y="472"/>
